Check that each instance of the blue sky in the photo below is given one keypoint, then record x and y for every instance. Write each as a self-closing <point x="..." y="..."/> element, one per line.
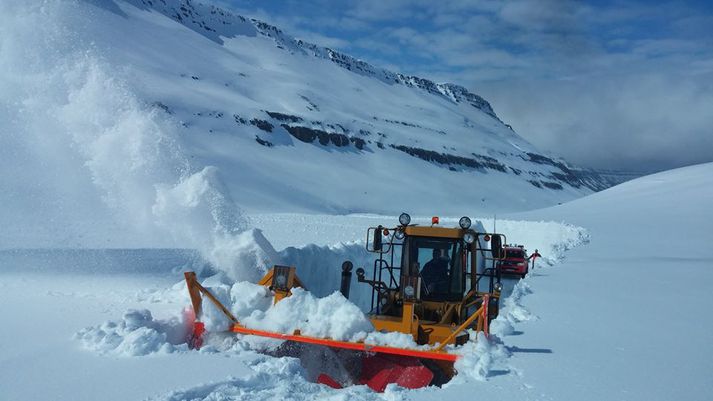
<point x="606" y="84"/>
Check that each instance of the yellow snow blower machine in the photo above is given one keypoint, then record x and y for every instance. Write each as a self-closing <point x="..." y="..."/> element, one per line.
<point x="431" y="282"/>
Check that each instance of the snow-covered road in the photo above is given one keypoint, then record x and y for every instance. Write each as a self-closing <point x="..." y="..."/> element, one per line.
<point x="49" y="295"/>
<point x="624" y="317"/>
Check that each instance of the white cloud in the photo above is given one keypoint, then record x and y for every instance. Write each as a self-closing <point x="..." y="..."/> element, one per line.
<point x="644" y="122"/>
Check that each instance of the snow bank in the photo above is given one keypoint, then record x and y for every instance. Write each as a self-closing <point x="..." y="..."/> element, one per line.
<point x="552" y="239"/>
<point x="477" y="357"/>
<point x="320" y="268"/>
<point x="512" y="311"/>
<point x="137" y="334"/>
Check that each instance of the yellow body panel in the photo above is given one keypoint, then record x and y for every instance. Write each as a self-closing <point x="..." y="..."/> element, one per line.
<point x="436" y="333"/>
<point x="423" y="332"/>
<point x="292" y="281"/>
<point x="404" y="324"/>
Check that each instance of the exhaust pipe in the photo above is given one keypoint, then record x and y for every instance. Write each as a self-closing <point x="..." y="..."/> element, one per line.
<point x="346" y="278"/>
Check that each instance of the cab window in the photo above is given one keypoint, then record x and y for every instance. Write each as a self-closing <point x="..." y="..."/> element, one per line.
<point x="439" y="263"/>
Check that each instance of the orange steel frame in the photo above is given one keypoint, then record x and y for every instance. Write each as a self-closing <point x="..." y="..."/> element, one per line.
<point x="196" y="291"/>
<point x="354" y="346"/>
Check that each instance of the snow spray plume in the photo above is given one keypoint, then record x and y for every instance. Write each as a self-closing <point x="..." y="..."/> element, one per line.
<point x="59" y="95"/>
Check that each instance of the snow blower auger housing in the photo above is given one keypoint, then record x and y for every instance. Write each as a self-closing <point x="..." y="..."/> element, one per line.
<point x="430" y="282"/>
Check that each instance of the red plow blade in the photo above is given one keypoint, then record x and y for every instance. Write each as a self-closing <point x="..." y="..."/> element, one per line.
<point x="380" y="365"/>
<point x="379" y="370"/>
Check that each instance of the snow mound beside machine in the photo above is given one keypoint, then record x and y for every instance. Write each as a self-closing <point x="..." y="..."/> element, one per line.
<point x="430" y="283"/>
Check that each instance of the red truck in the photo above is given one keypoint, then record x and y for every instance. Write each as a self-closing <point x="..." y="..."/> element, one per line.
<point x="516" y="261"/>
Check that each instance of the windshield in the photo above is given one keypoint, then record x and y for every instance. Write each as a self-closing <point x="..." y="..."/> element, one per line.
<point x="515" y="254"/>
<point x="439" y="262"/>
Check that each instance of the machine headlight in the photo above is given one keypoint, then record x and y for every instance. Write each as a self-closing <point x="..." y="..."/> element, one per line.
<point x="498" y="287"/>
<point x="469" y="237"/>
<point x="404" y="219"/>
<point x="409" y="291"/>
<point x="399" y="234"/>
<point x="464" y="222"/>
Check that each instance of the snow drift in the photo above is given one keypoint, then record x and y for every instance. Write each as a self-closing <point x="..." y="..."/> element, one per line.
<point x="137" y="334"/>
<point x="329" y="317"/>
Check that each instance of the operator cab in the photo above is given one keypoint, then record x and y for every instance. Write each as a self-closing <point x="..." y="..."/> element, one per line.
<point x="434" y="268"/>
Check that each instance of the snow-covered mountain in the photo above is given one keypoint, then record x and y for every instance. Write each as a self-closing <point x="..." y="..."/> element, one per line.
<point x="121" y="102"/>
<point x="269" y="108"/>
